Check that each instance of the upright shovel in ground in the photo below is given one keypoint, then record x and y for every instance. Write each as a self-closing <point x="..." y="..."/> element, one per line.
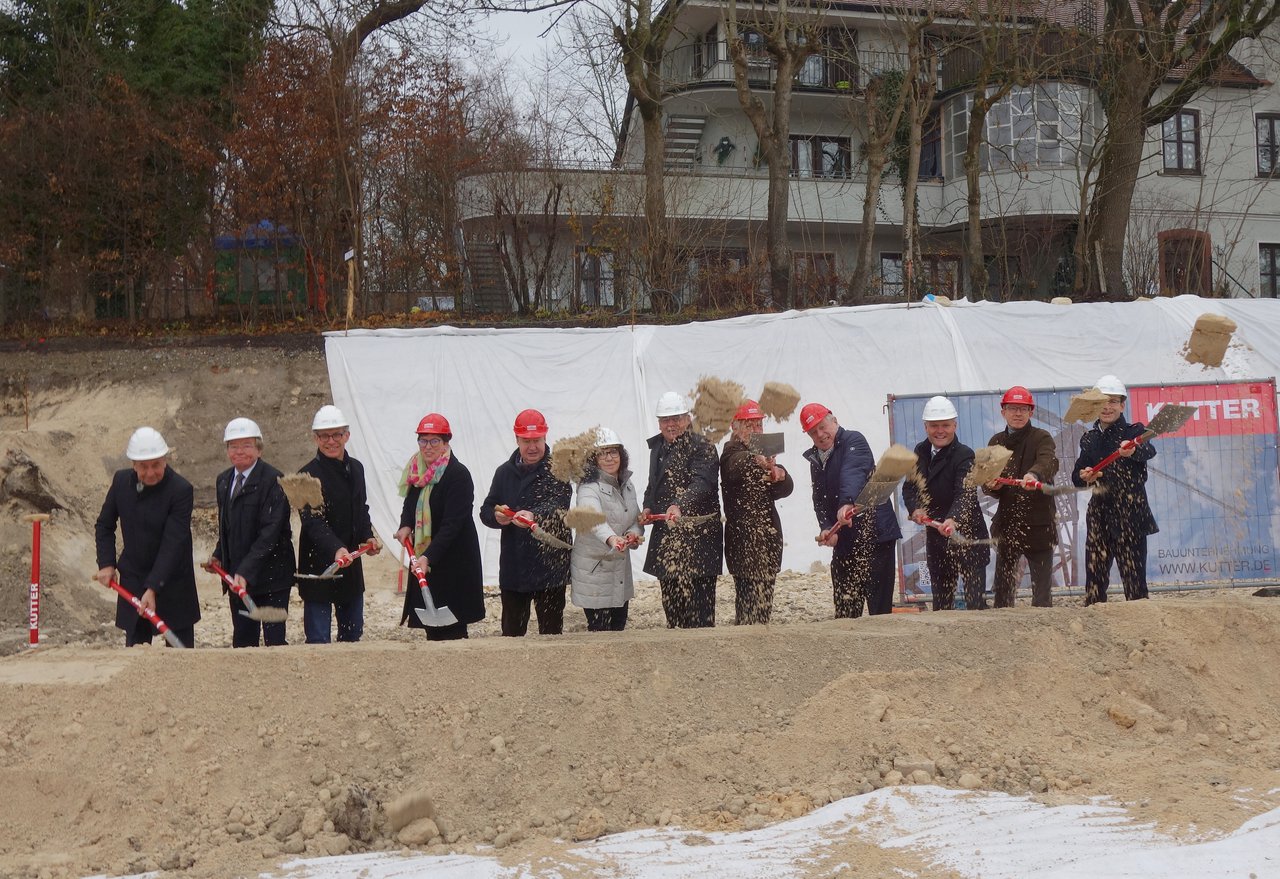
<point x="252" y="611"/>
<point x="147" y="614"/>
<point x="430" y="615"/>
<point x="538" y="532"/>
<point x="1169" y="419"/>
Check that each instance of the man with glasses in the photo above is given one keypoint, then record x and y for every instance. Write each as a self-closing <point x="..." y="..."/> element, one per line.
<point x="332" y="532"/>
<point x="1024" y="523"/>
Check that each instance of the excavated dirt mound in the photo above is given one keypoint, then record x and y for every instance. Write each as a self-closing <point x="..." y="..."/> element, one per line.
<point x="221" y="763"/>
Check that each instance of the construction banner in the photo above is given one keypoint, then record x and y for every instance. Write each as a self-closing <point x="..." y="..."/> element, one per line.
<point x="1214" y="485"/>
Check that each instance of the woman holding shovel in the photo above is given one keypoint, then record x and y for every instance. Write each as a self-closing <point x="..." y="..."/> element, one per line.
<point x="436" y="517"/>
<point x="1119" y="517"/>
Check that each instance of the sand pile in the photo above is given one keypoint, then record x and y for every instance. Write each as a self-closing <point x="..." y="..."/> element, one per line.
<point x="1086" y="406"/>
<point x="988" y="463"/>
<point x="715" y="402"/>
<point x="778" y="400"/>
<point x="303" y="490"/>
<point x="1209" y="340"/>
<point x="569" y="456"/>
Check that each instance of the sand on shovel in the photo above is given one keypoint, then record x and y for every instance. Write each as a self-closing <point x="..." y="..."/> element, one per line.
<point x="569" y="456"/>
<point x="583" y="518"/>
<point x="988" y="463"/>
<point x="897" y="462"/>
<point x="715" y="402"/>
<point x="778" y="400"/>
<point x="1209" y="339"/>
<point x="302" y="490"/>
<point x="1086" y="406"/>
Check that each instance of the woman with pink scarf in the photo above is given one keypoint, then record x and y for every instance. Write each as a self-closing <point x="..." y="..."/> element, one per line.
<point x="438" y="496"/>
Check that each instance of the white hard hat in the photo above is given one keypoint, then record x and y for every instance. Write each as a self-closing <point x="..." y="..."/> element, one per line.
<point x="939" y="409"/>
<point x="241" y="428"/>
<point x="606" y="437"/>
<point x="1112" y="386"/>
<point x="672" y="403"/>
<point x="146" y="444"/>
<point x="329" y="417"/>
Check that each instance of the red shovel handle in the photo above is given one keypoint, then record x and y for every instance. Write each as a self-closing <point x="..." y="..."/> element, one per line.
<point x="934" y="523"/>
<point x="652" y="517"/>
<point x="511" y="514"/>
<point x="414" y="567"/>
<point x="1029" y="484"/>
<point x="1124" y="446"/>
<point x="227" y="578"/>
<point x="350" y="557"/>
<point x="147" y="614"/>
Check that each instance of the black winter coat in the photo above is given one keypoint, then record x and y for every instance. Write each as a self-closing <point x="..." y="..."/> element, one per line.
<point x="1122" y="504"/>
<point x="155" y="526"/>
<point x="839" y="482"/>
<point x="525" y="564"/>
<point x="255" y="539"/>
<point x="684" y="473"/>
<point x="456" y="577"/>
<point x="1025" y="518"/>
<point x="946" y="497"/>
<point x="343" y="521"/>
<point x="752" y="528"/>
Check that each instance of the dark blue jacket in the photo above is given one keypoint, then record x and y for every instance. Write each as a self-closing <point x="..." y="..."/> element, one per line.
<point x="526" y="564"/>
<point x="839" y="482"/>
<point x="946" y="497"/>
<point x="1122" y="504"/>
<point x="255" y="539"/>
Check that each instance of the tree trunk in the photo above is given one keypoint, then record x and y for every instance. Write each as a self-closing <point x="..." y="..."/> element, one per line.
<point x="974" y="256"/>
<point x="1112" y="200"/>
<point x="658" y="241"/>
<point x="860" y="283"/>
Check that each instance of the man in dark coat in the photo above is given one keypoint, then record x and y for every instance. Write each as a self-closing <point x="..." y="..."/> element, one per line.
<point x="752" y="485"/>
<point x="152" y="505"/>
<point x="530" y="572"/>
<point x="1024" y="523"/>
<point x="863" y="563"/>
<point x="255" y="541"/>
<point x="1119" y="517"/>
<point x="938" y="492"/>
<point x="443" y="532"/>
<point x="685" y="556"/>
<point x="332" y="532"/>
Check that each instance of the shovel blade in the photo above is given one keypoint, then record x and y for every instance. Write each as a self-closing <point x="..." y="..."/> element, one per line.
<point x="436" y="617"/>
<point x="876" y="492"/>
<point x="173" y="640"/>
<point x="767" y="444"/>
<point x="267" y="614"/>
<point x="1170" y="418"/>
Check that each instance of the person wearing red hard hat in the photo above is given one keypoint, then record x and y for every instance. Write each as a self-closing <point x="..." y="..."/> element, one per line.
<point x="1024" y="523"/>
<point x="939" y="493"/>
<point x="686" y="557"/>
<point x="532" y="574"/>
<point x="1119" y="517"/>
<point x="439" y="495"/>
<point x="863" y="563"/>
<point x="752" y="484"/>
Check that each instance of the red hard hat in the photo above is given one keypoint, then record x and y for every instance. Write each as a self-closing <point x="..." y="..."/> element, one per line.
<point x="748" y="411"/>
<point x="530" y="424"/>
<point x="1018" y="396"/>
<point x="434" y="423"/>
<point x="811" y="414"/>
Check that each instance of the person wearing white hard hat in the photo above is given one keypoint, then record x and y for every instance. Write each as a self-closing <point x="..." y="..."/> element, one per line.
<point x="331" y="533"/>
<point x="686" y="557"/>
<point x="255" y="540"/>
<point x="939" y="493"/>
<point x="752" y="484"/>
<point x="600" y="564"/>
<point x="1119" y="518"/>
<point x="152" y="505"/>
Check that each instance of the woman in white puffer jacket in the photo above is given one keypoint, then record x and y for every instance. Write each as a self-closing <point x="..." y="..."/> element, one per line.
<point x="600" y="565"/>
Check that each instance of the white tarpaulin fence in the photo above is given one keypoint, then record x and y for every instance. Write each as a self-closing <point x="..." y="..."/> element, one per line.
<point x="851" y="359"/>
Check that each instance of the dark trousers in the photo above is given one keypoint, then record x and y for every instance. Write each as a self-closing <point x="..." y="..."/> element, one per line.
<point x="606" y="619"/>
<point x="689" y="602"/>
<point x="1129" y="551"/>
<point x="516" y="608"/>
<point x="865" y="575"/>
<point x="1005" y="585"/>
<point x="456" y="632"/>
<point x="947" y="567"/>
<point x="752" y="600"/>
<point x="249" y="633"/>
<point x="143" y="632"/>
<point x="317" y="620"/>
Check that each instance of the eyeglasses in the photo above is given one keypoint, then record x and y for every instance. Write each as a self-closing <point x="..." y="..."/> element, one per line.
<point x="332" y="436"/>
<point x="609" y="453"/>
<point x="430" y="442"/>
<point x="1020" y="410"/>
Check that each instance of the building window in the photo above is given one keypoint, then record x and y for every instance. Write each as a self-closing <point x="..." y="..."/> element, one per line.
<point x="1185" y="262"/>
<point x="706" y="53"/>
<point x="1269" y="270"/>
<point x="1268" y="127"/>
<point x="891" y="275"/>
<point x="935" y="274"/>
<point x="819" y="156"/>
<point x="814" y="277"/>
<point x="1181" y="139"/>
<point x="595" y="278"/>
<point x="1039" y="126"/>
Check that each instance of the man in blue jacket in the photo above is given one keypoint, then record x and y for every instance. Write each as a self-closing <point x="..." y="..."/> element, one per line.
<point x="863" y="564"/>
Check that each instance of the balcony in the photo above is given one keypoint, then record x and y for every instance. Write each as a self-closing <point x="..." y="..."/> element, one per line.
<point x="707" y="65"/>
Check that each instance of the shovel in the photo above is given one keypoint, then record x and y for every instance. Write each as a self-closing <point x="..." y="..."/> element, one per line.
<point x="147" y="614"/>
<point x="1042" y="487"/>
<point x="534" y="528"/>
<point x="429" y="615"/>
<point x="331" y="572"/>
<point x="252" y="611"/>
<point x="894" y="465"/>
<point x="956" y="537"/>
<point x="1169" y="419"/>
